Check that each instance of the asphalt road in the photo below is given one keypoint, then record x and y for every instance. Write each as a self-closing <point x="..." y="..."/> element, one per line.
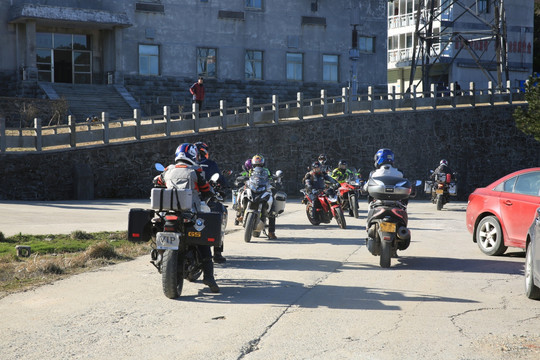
<point x="314" y="293"/>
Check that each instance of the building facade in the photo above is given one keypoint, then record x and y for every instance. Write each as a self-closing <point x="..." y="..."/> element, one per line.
<point x="464" y="41"/>
<point x="255" y="42"/>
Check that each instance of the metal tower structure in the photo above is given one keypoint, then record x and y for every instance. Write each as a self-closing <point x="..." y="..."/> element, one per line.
<point x="429" y="46"/>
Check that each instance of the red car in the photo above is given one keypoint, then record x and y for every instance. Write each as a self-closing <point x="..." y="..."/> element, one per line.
<point x="500" y="214"/>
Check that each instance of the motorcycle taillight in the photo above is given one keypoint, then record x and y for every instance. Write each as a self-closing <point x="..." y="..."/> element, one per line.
<point x="171" y="217"/>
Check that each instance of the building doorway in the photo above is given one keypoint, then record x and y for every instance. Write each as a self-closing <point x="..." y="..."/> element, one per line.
<point x="64" y="58"/>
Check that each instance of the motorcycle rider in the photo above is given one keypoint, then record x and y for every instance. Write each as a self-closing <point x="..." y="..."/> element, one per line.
<point x="443" y="168"/>
<point x="186" y="173"/>
<point x="342" y="173"/>
<point x="316" y="179"/>
<point x="258" y="161"/>
<point x="210" y="168"/>
<point x="326" y="168"/>
<point x="384" y="166"/>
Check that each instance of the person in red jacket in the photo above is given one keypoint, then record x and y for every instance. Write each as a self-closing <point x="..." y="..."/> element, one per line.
<point x="197" y="90"/>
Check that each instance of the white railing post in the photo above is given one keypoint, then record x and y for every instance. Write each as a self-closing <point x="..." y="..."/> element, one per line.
<point x="453" y="94"/>
<point x="195" y="111"/>
<point x="324" y="102"/>
<point x="137" y="117"/>
<point x="393" y="104"/>
<point x="275" y="108"/>
<point x="433" y="93"/>
<point x="491" y="91"/>
<point x="3" y="142"/>
<point x="414" y="94"/>
<point x="249" y="111"/>
<point x="300" y="105"/>
<point x="72" y="131"/>
<point x="472" y="92"/>
<point x="509" y="91"/>
<point x="167" y="118"/>
<point x="371" y="99"/>
<point x="39" y="140"/>
<point x="105" y="119"/>
<point x="345" y="98"/>
<point x="223" y="113"/>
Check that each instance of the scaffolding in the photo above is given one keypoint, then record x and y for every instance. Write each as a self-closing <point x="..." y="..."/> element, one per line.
<point x="429" y="46"/>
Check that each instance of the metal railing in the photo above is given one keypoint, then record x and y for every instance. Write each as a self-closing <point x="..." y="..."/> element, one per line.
<point x="105" y="131"/>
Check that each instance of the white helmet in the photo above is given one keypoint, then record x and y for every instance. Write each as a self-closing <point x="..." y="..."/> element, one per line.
<point x="444" y="162"/>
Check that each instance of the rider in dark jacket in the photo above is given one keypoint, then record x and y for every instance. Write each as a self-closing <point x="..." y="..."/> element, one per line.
<point x="316" y="179"/>
<point x="443" y="168"/>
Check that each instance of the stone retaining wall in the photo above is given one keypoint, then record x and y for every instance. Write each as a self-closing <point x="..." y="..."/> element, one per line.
<point x="481" y="144"/>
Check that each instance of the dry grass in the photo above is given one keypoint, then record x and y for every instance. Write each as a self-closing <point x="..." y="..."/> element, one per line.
<point x="20" y="274"/>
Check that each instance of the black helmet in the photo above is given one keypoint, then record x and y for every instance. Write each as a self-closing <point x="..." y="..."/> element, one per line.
<point x="342" y="163"/>
<point x="322" y="158"/>
<point x="316" y="167"/>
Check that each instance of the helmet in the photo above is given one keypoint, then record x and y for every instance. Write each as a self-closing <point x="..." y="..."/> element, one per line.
<point x="316" y="167"/>
<point x="187" y="152"/>
<point x="203" y="149"/>
<point x="444" y="162"/>
<point x="247" y="165"/>
<point x="257" y="160"/>
<point x="383" y="156"/>
<point x="342" y="164"/>
<point x="322" y="158"/>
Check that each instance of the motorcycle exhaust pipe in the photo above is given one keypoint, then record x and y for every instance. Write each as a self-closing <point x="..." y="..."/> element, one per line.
<point x="403" y="233"/>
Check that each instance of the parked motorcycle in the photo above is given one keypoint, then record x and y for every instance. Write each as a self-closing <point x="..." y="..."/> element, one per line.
<point x="260" y="199"/>
<point x="326" y="205"/>
<point x="387" y="217"/>
<point x="348" y="193"/>
<point x="441" y="188"/>
<point x="179" y="223"/>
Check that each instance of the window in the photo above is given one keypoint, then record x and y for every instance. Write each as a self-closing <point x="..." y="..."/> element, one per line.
<point x="294" y="66"/>
<point x="528" y="184"/>
<point x="482" y="6"/>
<point x="330" y="68"/>
<point x="148" y="59"/>
<point x="206" y="62"/>
<point x="366" y="44"/>
<point x="253" y="65"/>
<point x="254" y="4"/>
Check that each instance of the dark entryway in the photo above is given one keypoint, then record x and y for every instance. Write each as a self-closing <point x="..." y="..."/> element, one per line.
<point x="63" y="67"/>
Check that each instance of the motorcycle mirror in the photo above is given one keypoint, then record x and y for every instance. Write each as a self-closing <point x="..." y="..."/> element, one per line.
<point x="431" y="171"/>
<point x="418" y="183"/>
<point x="227" y="172"/>
<point x="159" y="167"/>
<point x="214" y="177"/>
<point x="279" y="173"/>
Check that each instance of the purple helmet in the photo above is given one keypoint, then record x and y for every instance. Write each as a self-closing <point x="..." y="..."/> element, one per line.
<point x="247" y="165"/>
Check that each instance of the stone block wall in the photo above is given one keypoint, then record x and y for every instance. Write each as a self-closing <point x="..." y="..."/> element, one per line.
<point x="481" y="144"/>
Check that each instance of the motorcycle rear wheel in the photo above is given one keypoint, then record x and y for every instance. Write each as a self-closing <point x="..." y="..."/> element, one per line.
<point x="250" y="225"/>
<point x="172" y="279"/>
<point x="439" y="202"/>
<point x="311" y="219"/>
<point x="340" y="218"/>
<point x="353" y="203"/>
<point x="386" y="254"/>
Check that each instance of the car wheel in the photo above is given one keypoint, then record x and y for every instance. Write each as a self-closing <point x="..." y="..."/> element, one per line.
<point x="532" y="291"/>
<point x="489" y="236"/>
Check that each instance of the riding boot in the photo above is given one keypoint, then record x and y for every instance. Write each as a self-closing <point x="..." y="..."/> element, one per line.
<point x="218" y="257"/>
<point x="208" y="275"/>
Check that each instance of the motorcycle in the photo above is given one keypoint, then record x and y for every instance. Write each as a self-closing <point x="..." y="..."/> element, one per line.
<point x="441" y="188"/>
<point x="179" y="225"/>
<point x="387" y="217"/>
<point x="325" y="207"/>
<point x="258" y="200"/>
<point x="349" y="192"/>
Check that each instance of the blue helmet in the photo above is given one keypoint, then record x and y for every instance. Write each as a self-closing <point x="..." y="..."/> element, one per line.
<point x="187" y="152"/>
<point x="383" y="156"/>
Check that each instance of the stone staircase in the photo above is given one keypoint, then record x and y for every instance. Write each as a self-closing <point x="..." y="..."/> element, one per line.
<point x="87" y="100"/>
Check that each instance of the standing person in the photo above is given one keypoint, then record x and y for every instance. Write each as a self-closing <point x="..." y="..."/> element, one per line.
<point x="457" y="88"/>
<point x="210" y="168"/>
<point x="186" y="173"/>
<point x="197" y="90"/>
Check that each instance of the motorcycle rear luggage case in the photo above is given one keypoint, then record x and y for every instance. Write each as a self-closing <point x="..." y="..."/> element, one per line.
<point x="171" y="199"/>
<point x="389" y="188"/>
<point x="279" y="202"/>
<point x="428" y="186"/>
<point x="206" y="230"/>
<point x="140" y="225"/>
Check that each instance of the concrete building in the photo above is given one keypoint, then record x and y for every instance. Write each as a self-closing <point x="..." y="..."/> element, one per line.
<point x="253" y="43"/>
<point x="464" y="41"/>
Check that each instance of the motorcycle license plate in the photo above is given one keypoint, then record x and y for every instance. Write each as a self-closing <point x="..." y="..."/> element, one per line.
<point x="167" y="241"/>
<point x="439" y="191"/>
<point x="388" y="227"/>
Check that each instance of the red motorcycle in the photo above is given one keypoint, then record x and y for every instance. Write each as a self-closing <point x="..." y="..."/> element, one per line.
<point x="324" y="207"/>
<point x="348" y="194"/>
